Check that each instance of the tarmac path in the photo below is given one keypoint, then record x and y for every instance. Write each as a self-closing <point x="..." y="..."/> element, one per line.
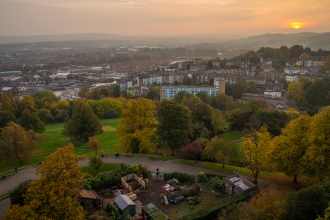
<point x="27" y="174"/>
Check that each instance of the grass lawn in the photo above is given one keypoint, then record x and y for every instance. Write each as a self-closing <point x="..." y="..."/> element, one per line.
<point x="232" y="135"/>
<point x="105" y="167"/>
<point x="53" y="138"/>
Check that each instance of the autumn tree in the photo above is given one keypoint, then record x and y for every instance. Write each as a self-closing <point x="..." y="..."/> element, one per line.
<point x="41" y="97"/>
<point x="94" y="144"/>
<point x="292" y="113"/>
<point x="192" y="151"/>
<point x="16" y="143"/>
<point x="84" y="92"/>
<point x="296" y="93"/>
<point x="83" y="123"/>
<point x="327" y="63"/>
<point x="45" y="115"/>
<point x="304" y="56"/>
<point x="318" y="154"/>
<point x="219" y="150"/>
<point x="175" y="127"/>
<point x="8" y="103"/>
<point x="288" y="149"/>
<point x="27" y="103"/>
<point x="254" y="148"/>
<point x="5" y="117"/>
<point x="55" y="194"/>
<point x="137" y="126"/>
<point x="96" y="162"/>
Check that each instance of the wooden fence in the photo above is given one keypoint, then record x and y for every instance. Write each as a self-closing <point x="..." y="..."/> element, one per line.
<point x="129" y="177"/>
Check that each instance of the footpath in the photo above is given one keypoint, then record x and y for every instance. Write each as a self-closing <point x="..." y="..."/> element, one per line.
<point x="27" y="174"/>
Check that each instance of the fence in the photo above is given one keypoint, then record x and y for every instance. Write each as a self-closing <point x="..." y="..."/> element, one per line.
<point x="129" y="177"/>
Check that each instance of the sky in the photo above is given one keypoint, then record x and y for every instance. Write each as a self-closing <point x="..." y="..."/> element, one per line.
<point x="163" y="17"/>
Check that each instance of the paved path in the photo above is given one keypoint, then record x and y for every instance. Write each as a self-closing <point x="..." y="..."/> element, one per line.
<point x="164" y="167"/>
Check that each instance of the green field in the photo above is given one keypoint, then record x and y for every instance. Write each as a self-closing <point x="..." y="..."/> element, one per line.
<point x="53" y="138"/>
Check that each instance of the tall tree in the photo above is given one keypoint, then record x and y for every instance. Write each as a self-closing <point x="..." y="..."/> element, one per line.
<point x="116" y="91"/>
<point x="296" y="93"/>
<point x="137" y="126"/>
<point x="84" y="92"/>
<point x="30" y="120"/>
<point x="41" y="97"/>
<point x="202" y="114"/>
<point x="27" y="103"/>
<point x="318" y="154"/>
<point x="288" y="149"/>
<point x="83" y="123"/>
<point x="175" y="127"/>
<point x="154" y="93"/>
<point x="16" y="143"/>
<point x="296" y="51"/>
<point x="55" y="194"/>
<point x="254" y="148"/>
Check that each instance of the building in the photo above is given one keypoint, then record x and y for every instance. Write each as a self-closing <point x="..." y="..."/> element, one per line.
<point x="257" y="79"/>
<point x="151" y="212"/>
<point x="237" y="184"/>
<point x="167" y="92"/>
<point x="89" y="199"/>
<point x="125" y="205"/>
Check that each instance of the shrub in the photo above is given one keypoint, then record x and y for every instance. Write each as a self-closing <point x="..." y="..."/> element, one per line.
<point x="216" y="183"/>
<point x="17" y="195"/>
<point x="192" y="151"/>
<point x="201" y="177"/>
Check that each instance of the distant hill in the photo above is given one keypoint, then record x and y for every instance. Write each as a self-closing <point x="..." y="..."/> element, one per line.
<point x="307" y="39"/>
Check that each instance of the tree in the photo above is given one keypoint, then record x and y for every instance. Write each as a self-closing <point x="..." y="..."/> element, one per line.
<point x="154" y="93"/>
<point x="202" y="113"/>
<point x="31" y="121"/>
<point x="54" y="195"/>
<point x="318" y="154"/>
<point x="41" y="97"/>
<point x="296" y="51"/>
<point x="192" y="151"/>
<point x="96" y="162"/>
<point x="137" y="126"/>
<point x="16" y="143"/>
<point x="17" y="195"/>
<point x="304" y="56"/>
<point x="83" y="123"/>
<point x="5" y="117"/>
<point x="204" y="96"/>
<point x="326" y="214"/>
<point x="116" y="91"/>
<point x="209" y="65"/>
<point x="254" y="148"/>
<point x="27" y="103"/>
<point x="45" y="115"/>
<point x="296" y="93"/>
<point x="239" y="89"/>
<point x="8" y="103"/>
<point x="291" y="113"/>
<point x="327" y="63"/>
<point x="94" y="144"/>
<point x="284" y="52"/>
<point x="288" y="149"/>
<point x="84" y="92"/>
<point x="175" y="127"/>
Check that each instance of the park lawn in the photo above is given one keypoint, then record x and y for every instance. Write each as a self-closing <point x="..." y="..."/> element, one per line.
<point x="53" y="138"/>
<point x="232" y="135"/>
<point x="105" y="167"/>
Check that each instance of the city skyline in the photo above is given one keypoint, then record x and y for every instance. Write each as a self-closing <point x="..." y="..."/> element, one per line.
<point x="160" y="17"/>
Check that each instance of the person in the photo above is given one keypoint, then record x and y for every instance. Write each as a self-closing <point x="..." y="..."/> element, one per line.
<point x="157" y="172"/>
<point x="16" y="170"/>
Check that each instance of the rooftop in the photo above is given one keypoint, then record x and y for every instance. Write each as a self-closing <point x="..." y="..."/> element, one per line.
<point x="123" y="201"/>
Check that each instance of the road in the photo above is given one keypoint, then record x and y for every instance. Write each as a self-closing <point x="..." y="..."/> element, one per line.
<point x="15" y="180"/>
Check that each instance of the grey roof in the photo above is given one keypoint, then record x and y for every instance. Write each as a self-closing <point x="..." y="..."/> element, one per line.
<point x="123" y="201"/>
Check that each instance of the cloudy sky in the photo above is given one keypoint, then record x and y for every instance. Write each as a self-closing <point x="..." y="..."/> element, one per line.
<point x="162" y="17"/>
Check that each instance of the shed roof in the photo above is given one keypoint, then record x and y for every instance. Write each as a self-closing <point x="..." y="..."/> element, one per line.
<point x="123" y="201"/>
<point x="88" y="194"/>
<point x="154" y="212"/>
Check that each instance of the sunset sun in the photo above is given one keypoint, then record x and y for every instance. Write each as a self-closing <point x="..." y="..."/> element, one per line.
<point x="296" y="25"/>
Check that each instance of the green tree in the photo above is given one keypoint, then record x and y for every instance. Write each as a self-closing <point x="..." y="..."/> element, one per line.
<point x="83" y="123"/>
<point x="16" y="143"/>
<point x="239" y="89"/>
<point x="175" y="127"/>
<point x="45" y="115"/>
<point x="54" y="195"/>
<point x="296" y="51"/>
<point x="202" y="114"/>
<point x="96" y="162"/>
<point x="254" y="148"/>
<point x="5" y="117"/>
<point x="84" y="92"/>
<point x="31" y="121"/>
<point x="27" y="103"/>
<point x="17" y="195"/>
<point x="154" y="93"/>
<point x="116" y="91"/>
<point x="204" y="96"/>
<point x="137" y="126"/>
<point x="288" y="149"/>
<point x="41" y="97"/>
<point x="94" y="144"/>
<point x="209" y="65"/>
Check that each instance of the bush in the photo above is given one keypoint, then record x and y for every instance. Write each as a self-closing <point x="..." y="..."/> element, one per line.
<point x="17" y="195"/>
<point x="201" y="177"/>
<point x="182" y="177"/>
<point x="192" y="151"/>
<point x="216" y="183"/>
<point x="112" y="113"/>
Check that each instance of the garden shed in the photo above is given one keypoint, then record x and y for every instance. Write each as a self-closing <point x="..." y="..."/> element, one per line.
<point x="237" y="184"/>
<point x="125" y="205"/>
<point x="89" y="199"/>
<point x="151" y="212"/>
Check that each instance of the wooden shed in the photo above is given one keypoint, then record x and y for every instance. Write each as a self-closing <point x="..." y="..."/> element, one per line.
<point x="89" y="199"/>
<point x="125" y="205"/>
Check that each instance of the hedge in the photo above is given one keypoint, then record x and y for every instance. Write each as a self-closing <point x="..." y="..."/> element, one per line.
<point x="182" y="177"/>
<point x="211" y="212"/>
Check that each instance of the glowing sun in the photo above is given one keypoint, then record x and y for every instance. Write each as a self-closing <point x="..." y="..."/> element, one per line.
<point x="296" y="25"/>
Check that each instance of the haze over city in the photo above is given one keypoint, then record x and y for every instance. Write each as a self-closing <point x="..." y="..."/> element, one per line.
<point x="160" y="17"/>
